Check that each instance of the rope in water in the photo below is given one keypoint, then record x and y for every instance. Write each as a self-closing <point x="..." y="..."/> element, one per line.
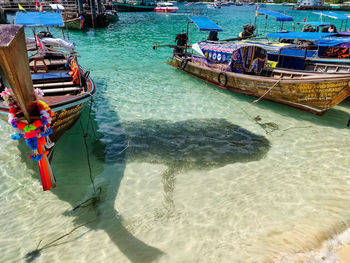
<point x="95" y="198"/>
<point x="30" y="256"/>
<point x="85" y="135"/>
<point x="91" y="201"/>
<point x="268" y="127"/>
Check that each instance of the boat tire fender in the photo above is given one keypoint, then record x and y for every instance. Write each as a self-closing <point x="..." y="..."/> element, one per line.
<point x="183" y="63"/>
<point x="224" y="82"/>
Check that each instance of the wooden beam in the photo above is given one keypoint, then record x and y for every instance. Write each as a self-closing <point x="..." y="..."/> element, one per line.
<point x="15" y="66"/>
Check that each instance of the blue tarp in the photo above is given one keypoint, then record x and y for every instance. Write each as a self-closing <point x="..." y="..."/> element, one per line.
<point x="332" y="41"/>
<point x="300" y="35"/>
<point x="333" y="15"/>
<point x="205" y="24"/>
<point x="38" y="19"/>
<point x="277" y="15"/>
<point x="50" y="76"/>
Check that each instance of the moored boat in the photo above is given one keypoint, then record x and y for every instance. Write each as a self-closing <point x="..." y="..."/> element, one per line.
<point x="166" y="7"/>
<point x="246" y="71"/>
<point x="65" y="91"/>
<point x="74" y="23"/>
<point x="112" y="15"/>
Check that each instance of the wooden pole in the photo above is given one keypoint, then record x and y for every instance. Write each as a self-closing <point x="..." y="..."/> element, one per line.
<point x="80" y="7"/>
<point x="99" y="7"/>
<point x="15" y="66"/>
<point x="93" y="12"/>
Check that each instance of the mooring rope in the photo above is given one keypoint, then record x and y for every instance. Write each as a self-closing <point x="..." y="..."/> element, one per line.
<point x="87" y="156"/>
<point x="95" y="198"/>
<point x="31" y="256"/>
<point x="274" y="85"/>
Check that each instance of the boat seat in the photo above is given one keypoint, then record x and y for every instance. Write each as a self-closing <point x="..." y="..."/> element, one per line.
<point x="52" y="85"/>
<point x="51" y="77"/>
<point x="40" y="62"/>
<point x="62" y="90"/>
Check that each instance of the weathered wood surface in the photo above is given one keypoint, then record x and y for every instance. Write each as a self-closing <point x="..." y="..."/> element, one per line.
<point x="312" y="92"/>
<point x="15" y="66"/>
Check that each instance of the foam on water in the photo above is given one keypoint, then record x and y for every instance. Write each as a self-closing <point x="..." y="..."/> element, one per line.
<point x="185" y="172"/>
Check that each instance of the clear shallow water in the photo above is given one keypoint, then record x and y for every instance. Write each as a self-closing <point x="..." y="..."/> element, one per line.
<point x="186" y="174"/>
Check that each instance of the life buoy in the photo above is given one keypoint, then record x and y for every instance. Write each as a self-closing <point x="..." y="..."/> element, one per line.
<point x="224" y="83"/>
<point x="183" y="63"/>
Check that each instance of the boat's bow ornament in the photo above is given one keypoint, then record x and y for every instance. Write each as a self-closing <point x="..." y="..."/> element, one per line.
<point x="30" y="116"/>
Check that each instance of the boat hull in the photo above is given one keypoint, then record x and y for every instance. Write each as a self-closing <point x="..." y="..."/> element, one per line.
<point x="124" y="7"/>
<point x="74" y="24"/>
<point x="311" y="93"/>
<point x="66" y="113"/>
<point x="166" y="10"/>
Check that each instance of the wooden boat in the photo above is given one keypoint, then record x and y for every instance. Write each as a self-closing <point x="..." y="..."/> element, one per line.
<point x="111" y="15"/>
<point x="166" y="7"/>
<point x="134" y="7"/>
<point x="66" y="93"/>
<point x="244" y="69"/>
<point x="310" y="91"/>
<point x="73" y="23"/>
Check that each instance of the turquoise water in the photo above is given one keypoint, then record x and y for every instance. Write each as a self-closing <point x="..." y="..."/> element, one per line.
<point x="184" y="172"/>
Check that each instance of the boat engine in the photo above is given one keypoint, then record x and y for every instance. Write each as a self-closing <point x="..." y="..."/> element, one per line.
<point x="181" y="43"/>
<point x="248" y="31"/>
<point x="43" y="34"/>
<point x="213" y="36"/>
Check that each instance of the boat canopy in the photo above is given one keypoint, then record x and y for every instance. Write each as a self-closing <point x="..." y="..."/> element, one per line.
<point x="277" y="15"/>
<point x="39" y="19"/>
<point x="57" y="6"/>
<point x="333" y="15"/>
<point x="332" y="41"/>
<point x="205" y="24"/>
<point x="300" y="35"/>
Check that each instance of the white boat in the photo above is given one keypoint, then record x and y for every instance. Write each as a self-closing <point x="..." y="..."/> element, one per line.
<point x="166" y="7"/>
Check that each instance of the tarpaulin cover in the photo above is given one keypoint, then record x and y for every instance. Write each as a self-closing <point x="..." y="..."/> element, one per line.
<point x="277" y="15"/>
<point x="205" y="24"/>
<point x="243" y="59"/>
<point x="300" y="35"/>
<point x="333" y="15"/>
<point x="332" y="41"/>
<point x="50" y="76"/>
<point x="39" y="19"/>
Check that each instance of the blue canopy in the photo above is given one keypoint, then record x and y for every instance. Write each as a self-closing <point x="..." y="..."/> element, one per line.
<point x="332" y="41"/>
<point x="205" y="24"/>
<point x="38" y="19"/>
<point x="333" y="15"/>
<point x="277" y="15"/>
<point x="300" y="35"/>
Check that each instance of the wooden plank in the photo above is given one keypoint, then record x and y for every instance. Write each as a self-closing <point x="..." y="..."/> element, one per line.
<point x="50" y="85"/>
<point x="14" y="65"/>
<point x="61" y="90"/>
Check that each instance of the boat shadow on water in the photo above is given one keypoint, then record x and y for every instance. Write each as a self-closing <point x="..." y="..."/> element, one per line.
<point x="196" y="144"/>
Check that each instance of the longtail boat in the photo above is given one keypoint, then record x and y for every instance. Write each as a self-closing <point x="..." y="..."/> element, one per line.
<point x="319" y="45"/>
<point x="246" y="71"/>
<point x="64" y="93"/>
